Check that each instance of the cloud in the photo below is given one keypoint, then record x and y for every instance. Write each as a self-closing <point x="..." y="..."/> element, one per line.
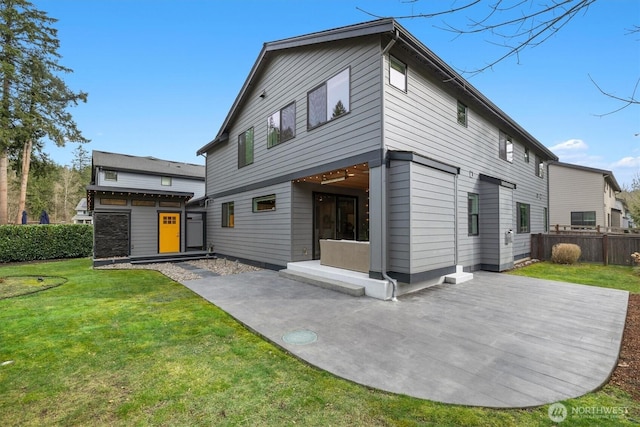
<point x="570" y="145"/>
<point x="627" y="162"/>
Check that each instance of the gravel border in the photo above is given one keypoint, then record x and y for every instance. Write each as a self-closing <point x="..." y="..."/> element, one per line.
<point x="175" y="272"/>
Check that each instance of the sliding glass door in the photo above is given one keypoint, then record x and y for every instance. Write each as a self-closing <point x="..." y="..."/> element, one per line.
<point x="335" y="217"/>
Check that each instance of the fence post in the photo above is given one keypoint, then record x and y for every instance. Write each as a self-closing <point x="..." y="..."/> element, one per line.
<point x="605" y="249"/>
<point x="540" y="253"/>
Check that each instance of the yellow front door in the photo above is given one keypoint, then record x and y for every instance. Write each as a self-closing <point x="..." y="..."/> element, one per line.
<point x="169" y="232"/>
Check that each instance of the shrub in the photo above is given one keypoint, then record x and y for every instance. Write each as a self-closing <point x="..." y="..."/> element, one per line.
<point x="636" y="263"/>
<point x="565" y="253"/>
<point x="41" y="242"/>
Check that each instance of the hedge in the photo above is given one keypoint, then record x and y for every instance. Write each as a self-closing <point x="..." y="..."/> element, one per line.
<point x="49" y="241"/>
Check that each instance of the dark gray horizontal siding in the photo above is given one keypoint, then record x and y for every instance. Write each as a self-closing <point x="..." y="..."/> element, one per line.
<point x="432" y="219"/>
<point x="257" y="236"/>
<point x="286" y="78"/>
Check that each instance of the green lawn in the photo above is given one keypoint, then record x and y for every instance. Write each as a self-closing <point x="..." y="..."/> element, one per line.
<point x="135" y="348"/>
<point x="611" y="276"/>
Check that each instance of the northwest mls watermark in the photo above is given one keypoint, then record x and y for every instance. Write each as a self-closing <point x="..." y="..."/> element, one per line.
<point x="559" y="412"/>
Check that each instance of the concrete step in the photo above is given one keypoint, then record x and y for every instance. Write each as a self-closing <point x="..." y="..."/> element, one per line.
<point x="459" y="276"/>
<point x="323" y="282"/>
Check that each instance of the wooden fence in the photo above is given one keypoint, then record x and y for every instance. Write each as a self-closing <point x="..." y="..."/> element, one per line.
<point x="607" y="249"/>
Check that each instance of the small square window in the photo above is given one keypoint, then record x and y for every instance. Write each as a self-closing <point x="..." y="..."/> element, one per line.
<point x="227" y="215"/>
<point x="397" y="73"/>
<point x="264" y="203"/>
<point x="165" y="181"/>
<point x="462" y="114"/>
<point x="110" y="175"/>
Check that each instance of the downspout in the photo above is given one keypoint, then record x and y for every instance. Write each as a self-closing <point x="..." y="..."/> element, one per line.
<point x="455" y="220"/>
<point x="383" y="183"/>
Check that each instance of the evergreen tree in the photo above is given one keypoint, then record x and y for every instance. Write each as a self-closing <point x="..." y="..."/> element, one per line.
<point x="34" y="99"/>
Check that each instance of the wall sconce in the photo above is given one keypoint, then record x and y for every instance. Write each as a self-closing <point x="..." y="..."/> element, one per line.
<point x="263" y="94"/>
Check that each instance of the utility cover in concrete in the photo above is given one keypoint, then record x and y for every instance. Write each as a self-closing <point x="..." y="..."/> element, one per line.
<point x="497" y="341"/>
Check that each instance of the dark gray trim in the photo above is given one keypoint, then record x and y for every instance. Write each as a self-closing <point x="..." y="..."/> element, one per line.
<point x="373" y="158"/>
<point x="423" y="276"/>
<point x="137" y="191"/>
<point x="409" y="156"/>
<point x="521" y="256"/>
<point x="254" y="263"/>
<point x="496" y="268"/>
<point x="497" y="181"/>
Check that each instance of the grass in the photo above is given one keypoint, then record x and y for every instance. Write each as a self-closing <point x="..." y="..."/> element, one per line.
<point x="14" y="286"/>
<point x="132" y="347"/>
<point x="611" y="276"/>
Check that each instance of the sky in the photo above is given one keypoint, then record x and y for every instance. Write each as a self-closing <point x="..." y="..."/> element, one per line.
<point x="162" y="74"/>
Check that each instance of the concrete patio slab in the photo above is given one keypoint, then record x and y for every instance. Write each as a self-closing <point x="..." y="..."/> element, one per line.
<point x="496" y="341"/>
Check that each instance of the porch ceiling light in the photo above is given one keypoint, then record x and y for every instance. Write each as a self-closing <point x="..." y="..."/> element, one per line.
<point x="332" y="180"/>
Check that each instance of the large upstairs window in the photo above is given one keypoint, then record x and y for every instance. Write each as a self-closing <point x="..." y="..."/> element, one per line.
<point x="329" y="100"/>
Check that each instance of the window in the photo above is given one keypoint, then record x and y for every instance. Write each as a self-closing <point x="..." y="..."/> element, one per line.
<point x="165" y="180"/>
<point x="245" y="148"/>
<point x="281" y="125"/>
<point x="523" y="217"/>
<point x="329" y="100"/>
<point x="545" y="219"/>
<point x="110" y="175"/>
<point x="264" y="203"/>
<point x="116" y="202"/>
<point x="506" y="147"/>
<point x="143" y="203"/>
<point x="462" y="114"/>
<point x="473" y="210"/>
<point x="539" y="167"/>
<point x="587" y="219"/>
<point x="227" y="214"/>
<point x="169" y="204"/>
<point x="526" y="155"/>
<point x="397" y="73"/>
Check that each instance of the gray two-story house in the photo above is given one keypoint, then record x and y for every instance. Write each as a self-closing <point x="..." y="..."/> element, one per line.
<point x="360" y="140"/>
<point x="144" y="206"/>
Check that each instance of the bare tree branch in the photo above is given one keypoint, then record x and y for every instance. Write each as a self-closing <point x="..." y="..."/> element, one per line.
<point x="518" y="23"/>
<point x="626" y="101"/>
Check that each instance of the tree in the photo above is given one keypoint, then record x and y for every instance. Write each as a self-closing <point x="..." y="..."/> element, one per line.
<point x="631" y="196"/>
<point x="34" y="98"/>
<point x="517" y="25"/>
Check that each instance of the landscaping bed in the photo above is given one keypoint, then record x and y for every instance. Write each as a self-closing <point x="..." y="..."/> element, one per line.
<point x="627" y="373"/>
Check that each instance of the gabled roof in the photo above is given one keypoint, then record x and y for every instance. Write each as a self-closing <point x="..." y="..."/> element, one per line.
<point x="148" y="165"/>
<point x="394" y="30"/>
<point x="607" y="175"/>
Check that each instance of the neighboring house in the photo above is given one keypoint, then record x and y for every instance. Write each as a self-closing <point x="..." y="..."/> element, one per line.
<point x="627" y="220"/>
<point x="362" y="133"/>
<point x="143" y="206"/>
<point x="581" y="196"/>
<point x="82" y="216"/>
